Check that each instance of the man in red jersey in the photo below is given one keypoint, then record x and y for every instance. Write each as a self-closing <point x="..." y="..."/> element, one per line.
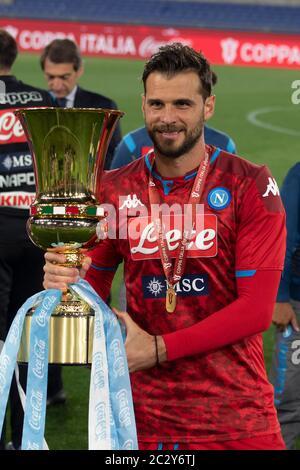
<point x="198" y="296"/>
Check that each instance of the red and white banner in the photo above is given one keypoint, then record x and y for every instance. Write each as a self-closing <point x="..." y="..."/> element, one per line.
<point x="17" y="199"/>
<point x="139" y="42"/>
<point x="11" y="130"/>
<point x="144" y="243"/>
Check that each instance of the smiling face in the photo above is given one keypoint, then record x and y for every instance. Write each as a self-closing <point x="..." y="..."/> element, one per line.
<point x="61" y="77"/>
<point x="175" y="112"/>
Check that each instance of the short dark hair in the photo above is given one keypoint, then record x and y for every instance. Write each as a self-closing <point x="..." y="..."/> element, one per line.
<point x="8" y="50"/>
<point x="62" y="51"/>
<point x="175" y="58"/>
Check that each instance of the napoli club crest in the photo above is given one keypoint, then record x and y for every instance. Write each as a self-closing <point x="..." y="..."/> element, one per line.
<point x="219" y="198"/>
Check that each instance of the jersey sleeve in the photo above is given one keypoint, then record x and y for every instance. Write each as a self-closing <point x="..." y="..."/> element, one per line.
<point x="105" y="262"/>
<point x="261" y="234"/>
<point x="250" y="314"/>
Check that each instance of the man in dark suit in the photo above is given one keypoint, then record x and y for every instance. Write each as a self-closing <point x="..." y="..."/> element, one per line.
<point x="61" y="63"/>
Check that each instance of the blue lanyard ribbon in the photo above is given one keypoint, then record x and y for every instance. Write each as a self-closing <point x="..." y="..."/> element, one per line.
<point x="118" y="429"/>
<point x="36" y="391"/>
<point x="8" y="356"/>
<point x="111" y="416"/>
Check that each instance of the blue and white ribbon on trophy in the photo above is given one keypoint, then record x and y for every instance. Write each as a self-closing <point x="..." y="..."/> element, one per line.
<point x="111" y="415"/>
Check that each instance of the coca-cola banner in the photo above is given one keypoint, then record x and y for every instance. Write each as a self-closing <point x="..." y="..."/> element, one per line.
<point x="139" y="42"/>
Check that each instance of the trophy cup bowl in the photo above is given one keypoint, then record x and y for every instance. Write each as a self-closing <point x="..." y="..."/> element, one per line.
<point x="68" y="147"/>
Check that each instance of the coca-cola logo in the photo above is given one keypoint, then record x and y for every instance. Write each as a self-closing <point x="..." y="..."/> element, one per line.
<point x="11" y="130"/>
<point x="202" y="242"/>
<point x="150" y="44"/>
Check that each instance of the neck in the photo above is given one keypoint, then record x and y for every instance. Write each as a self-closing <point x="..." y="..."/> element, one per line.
<point x="5" y="72"/>
<point x="176" y="167"/>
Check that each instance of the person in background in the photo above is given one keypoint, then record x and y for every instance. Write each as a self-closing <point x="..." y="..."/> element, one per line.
<point x="62" y="65"/>
<point x="137" y="143"/>
<point x="197" y="305"/>
<point x="285" y="367"/>
<point x="21" y="263"/>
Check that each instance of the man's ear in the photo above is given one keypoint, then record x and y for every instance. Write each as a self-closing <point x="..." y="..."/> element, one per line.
<point x="80" y="71"/>
<point x="209" y="107"/>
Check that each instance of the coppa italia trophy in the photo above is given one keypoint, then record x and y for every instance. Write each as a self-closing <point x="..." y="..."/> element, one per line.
<point x="68" y="148"/>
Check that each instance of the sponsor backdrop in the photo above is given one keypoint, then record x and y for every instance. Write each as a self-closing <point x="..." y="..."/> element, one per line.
<point x="139" y="42"/>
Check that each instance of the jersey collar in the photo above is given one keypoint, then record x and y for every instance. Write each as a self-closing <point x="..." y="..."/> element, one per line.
<point x="168" y="183"/>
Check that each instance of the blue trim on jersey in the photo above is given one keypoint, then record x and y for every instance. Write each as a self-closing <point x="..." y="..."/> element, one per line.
<point x="245" y="273"/>
<point x="189" y="177"/>
<point x="230" y="146"/>
<point x="130" y="143"/>
<point x="102" y="268"/>
<point x="160" y="446"/>
<point x="148" y="163"/>
<point x="215" y="155"/>
<point x="167" y="184"/>
<point x="281" y="368"/>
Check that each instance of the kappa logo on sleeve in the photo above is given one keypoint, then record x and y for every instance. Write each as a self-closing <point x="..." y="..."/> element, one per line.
<point x="272" y="188"/>
<point x="269" y="192"/>
<point x="202" y="242"/>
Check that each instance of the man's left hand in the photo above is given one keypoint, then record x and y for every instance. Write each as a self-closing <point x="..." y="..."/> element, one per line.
<point x="139" y="345"/>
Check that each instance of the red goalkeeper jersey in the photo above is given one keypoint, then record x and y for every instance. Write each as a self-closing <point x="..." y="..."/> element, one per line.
<point x="224" y="393"/>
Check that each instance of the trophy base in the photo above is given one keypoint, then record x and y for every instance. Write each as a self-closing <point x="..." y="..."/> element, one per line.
<point x="71" y="331"/>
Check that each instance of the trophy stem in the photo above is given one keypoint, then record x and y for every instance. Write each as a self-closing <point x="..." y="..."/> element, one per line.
<point x="74" y="257"/>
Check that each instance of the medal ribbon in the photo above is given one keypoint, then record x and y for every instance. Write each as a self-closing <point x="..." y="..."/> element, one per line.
<point x="174" y="276"/>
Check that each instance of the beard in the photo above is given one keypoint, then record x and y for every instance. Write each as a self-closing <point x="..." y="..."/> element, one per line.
<point x="168" y="148"/>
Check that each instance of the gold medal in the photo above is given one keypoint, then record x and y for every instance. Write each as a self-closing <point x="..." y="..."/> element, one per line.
<point x="170" y="300"/>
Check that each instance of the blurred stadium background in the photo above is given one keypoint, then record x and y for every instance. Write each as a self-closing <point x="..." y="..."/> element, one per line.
<point x="256" y="65"/>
